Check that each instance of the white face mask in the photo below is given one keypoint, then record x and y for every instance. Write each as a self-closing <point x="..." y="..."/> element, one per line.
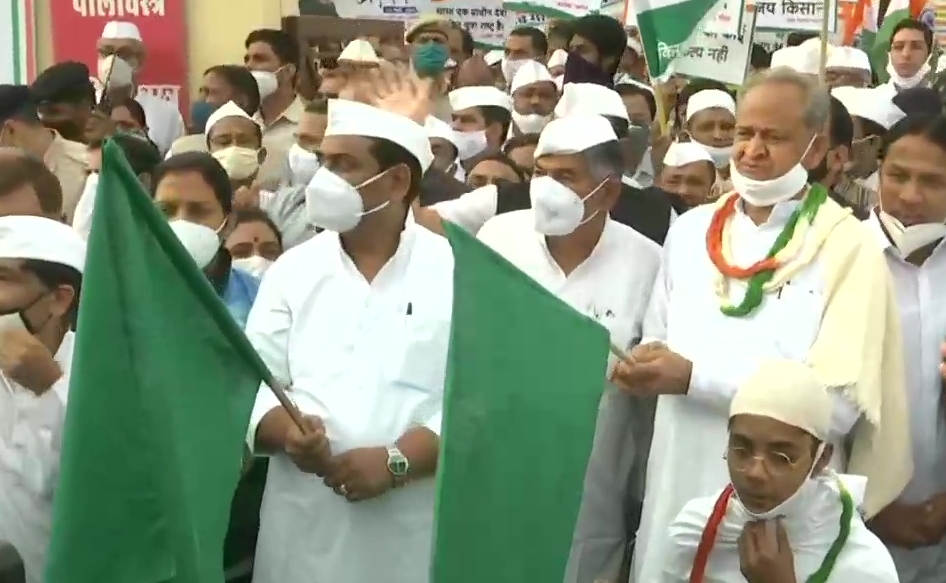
<point x="558" y="209"/>
<point x="907" y="82"/>
<point x="116" y="70"/>
<point x="764" y="193"/>
<point x="511" y="67"/>
<point x="303" y="165"/>
<point x="332" y="203"/>
<point x="795" y="504"/>
<point x="721" y="155"/>
<point x="202" y="243"/>
<point x="470" y="144"/>
<point x="909" y="239"/>
<point x="254" y="265"/>
<point x="872" y="182"/>
<point x="240" y="163"/>
<point x="267" y="82"/>
<point x="531" y="123"/>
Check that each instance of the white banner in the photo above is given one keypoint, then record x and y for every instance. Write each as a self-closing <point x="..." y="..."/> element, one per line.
<point x="16" y="54"/>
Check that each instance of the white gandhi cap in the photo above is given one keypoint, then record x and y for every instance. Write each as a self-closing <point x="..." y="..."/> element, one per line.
<point x="351" y="118"/>
<point x="847" y="58"/>
<point x="479" y="96"/>
<point x="573" y="134"/>
<point x="28" y="237"/>
<point x="873" y="103"/>
<point x="118" y="29"/>
<point x="228" y="109"/>
<point x="437" y="128"/>
<point x="683" y="153"/>
<point x="530" y="72"/>
<point x="588" y="99"/>
<point x="710" y="99"/>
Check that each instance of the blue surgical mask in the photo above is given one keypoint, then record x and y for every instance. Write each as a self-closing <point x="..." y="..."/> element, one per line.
<point x="200" y="113"/>
<point x="430" y="58"/>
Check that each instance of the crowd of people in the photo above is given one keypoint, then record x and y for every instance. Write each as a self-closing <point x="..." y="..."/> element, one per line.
<point x="771" y="270"/>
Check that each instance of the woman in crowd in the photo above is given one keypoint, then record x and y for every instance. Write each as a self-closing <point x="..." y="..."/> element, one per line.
<point x="255" y="241"/>
<point x="494" y="167"/>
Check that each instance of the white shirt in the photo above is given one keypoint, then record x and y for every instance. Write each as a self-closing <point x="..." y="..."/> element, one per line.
<point x="612" y="286"/>
<point x="369" y="359"/>
<point x="165" y="123"/>
<point x="921" y="298"/>
<point x="470" y="210"/>
<point x="690" y="431"/>
<point x="30" y="439"/>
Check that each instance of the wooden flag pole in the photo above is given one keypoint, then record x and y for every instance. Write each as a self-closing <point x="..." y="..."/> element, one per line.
<point x="825" y="22"/>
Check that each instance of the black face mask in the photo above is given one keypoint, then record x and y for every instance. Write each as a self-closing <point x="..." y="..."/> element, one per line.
<point x="580" y="70"/>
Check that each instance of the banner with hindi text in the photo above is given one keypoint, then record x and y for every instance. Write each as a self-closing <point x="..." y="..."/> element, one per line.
<point x="721" y="57"/>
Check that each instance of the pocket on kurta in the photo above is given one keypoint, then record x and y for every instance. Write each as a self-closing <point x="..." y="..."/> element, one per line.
<point x="418" y="361"/>
<point x="798" y="319"/>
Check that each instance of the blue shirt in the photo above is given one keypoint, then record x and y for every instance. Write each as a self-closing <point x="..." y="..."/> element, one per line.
<point x="240" y="294"/>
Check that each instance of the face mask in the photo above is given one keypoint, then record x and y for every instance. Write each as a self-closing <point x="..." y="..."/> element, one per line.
<point x="580" y="70"/>
<point x="795" y="504"/>
<point x="721" y="155"/>
<point x="532" y="123"/>
<point x="470" y="144"/>
<point x="115" y="72"/>
<point x="200" y="113"/>
<point x="254" y="265"/>
<point x="907" y="82"/>
<point x="909" y="239"/>
<point x="332" y="203"/>
<point x="765" y="193"/>
<point x="240" y="163"/>
<point x="428" y="59"/>
<point x="558" y="209"/>
<point x="202" y="243"/>
<point x="16" y="319"/>
<point x="267" y="82"/>
<point x="511" y="67"/>
<point x="303" y="164"/>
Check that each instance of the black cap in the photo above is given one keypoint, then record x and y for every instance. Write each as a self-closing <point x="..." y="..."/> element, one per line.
<point x="16" y="101"/>
<point x="68" y="81"/>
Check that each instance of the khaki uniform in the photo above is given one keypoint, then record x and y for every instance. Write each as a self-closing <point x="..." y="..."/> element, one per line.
<point x="68" y="160"/>
<point x="278" y="137"/>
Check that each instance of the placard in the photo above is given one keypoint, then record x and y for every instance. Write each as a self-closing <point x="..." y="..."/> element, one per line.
<point x="791" y="15"/>
<point x="722" y="57"/>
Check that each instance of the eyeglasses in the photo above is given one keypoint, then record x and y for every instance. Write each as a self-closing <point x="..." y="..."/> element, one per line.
<point x="775" y="463"/>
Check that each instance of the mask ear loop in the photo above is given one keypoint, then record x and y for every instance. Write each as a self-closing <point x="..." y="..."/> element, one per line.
<point x="587" y="196"/>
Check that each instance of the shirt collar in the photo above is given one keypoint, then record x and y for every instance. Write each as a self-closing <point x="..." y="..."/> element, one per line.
<point x="780" y="212"/>
<point x="879" y="231"/>
<point x="292" y="114"/>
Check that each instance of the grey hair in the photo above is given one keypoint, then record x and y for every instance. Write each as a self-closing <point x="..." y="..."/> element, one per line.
<point x="818" y="100"/>
<point x="605" y="160"/>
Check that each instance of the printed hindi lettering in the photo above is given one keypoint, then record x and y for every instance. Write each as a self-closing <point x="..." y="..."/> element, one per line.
<point x="719" y="54"/>
<point x="695" y="52"/>
<point x="463" y="11"/>
<point x="445" y="11"/>
<point x="766" y="7"/>
<point x="119" y="8"/>
<point x="667" y="52"/>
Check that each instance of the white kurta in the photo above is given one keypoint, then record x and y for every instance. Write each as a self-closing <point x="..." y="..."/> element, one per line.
<point x="30" y="439"/>
<point x="690" y="431"/>
<point x="921" y="297"/>
<point x="369" y="359"/>
<point x="811" y="525"/>
<point x="612" y="286"/>
<point x="165" y="123"/>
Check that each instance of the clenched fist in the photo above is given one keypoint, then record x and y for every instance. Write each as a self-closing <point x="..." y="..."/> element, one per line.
<point x="27" y="361"/>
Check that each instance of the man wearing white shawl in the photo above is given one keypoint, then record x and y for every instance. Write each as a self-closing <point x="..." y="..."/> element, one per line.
<point x="786" y="516"/>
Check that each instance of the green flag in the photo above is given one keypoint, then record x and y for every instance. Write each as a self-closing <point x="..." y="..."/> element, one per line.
<point x="524" y="379"/>
<point x="162" y="385"/>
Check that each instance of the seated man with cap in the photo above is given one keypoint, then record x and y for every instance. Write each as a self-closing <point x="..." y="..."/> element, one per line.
<point x="481" y="117"/>
<point x="534" y="96"/>
<point x="323" y="308"/>
<point x="121" y="53"/>
<point x="569" y="244"/>
<point x="711" y="122"/>
<point x="786" y="516"/>
<point x="688" y="175"/>
<point x="64" y="97"/>
<point x="41" y="262"/>
<point x="20" y="127"/>
<point x="847" y="67"/>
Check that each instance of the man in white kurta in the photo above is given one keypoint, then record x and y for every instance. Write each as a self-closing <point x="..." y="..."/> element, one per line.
<point x="35" y="358"/>
<point x="357" y="320"/>
<point x="569" y="244"/>
<point x="827" y="303"/>
<point x="785" y="516"/>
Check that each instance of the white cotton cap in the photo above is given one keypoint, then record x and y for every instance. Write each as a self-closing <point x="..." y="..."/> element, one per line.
<point x="558" y="58"/>
<point x="228" y="109"/>
<point x="493" y="57"/>
<point x="709" y="99"/>
<point x="683" y="153"/>
<point x="351" y="118"/>
<point x="625" y="79"/>
<point x="787" y="391"/>
<point x="873" y="103"/>
<point x="479" y="96"/>
<point x="359" y="51"/>
<point x="530" y="72"/>
<point x="574" y="134"/>
<point x="848" y="58"/>
<point x="449" y="64"/>
<point x="590" y="99"/>
<point x="801" y="58"/>
<point x="118" y="29"/>
<point x="29" y="237"/>
<point x="635" y="45"/>
<point x="437" y="128"/>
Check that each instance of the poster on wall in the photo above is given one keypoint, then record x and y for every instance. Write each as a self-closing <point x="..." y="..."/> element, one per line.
<point x="77" y="26"/>
<point x="17" y="42"/>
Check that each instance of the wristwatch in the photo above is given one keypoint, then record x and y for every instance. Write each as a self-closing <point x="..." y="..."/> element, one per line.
<point x="398" y="466"/>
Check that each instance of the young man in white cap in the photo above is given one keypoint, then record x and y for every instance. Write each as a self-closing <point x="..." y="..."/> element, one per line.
<point x="775" y="269"/>
<point x="688" y="174"/>
<point x="710" y="122"/>
<point x="570" y="245"/>
<point x="121" y="54"/>
<point x="41" y="264"/>
<point x="368" y="285"/>
<point x="534" y="96"/>
<point x="784" y="517"/>
<point x="481" y="118"/>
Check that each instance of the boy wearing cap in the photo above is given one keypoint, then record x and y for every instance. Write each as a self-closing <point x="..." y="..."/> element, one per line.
<point x="785" y="517"/>
<point x="41" y="264"/>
